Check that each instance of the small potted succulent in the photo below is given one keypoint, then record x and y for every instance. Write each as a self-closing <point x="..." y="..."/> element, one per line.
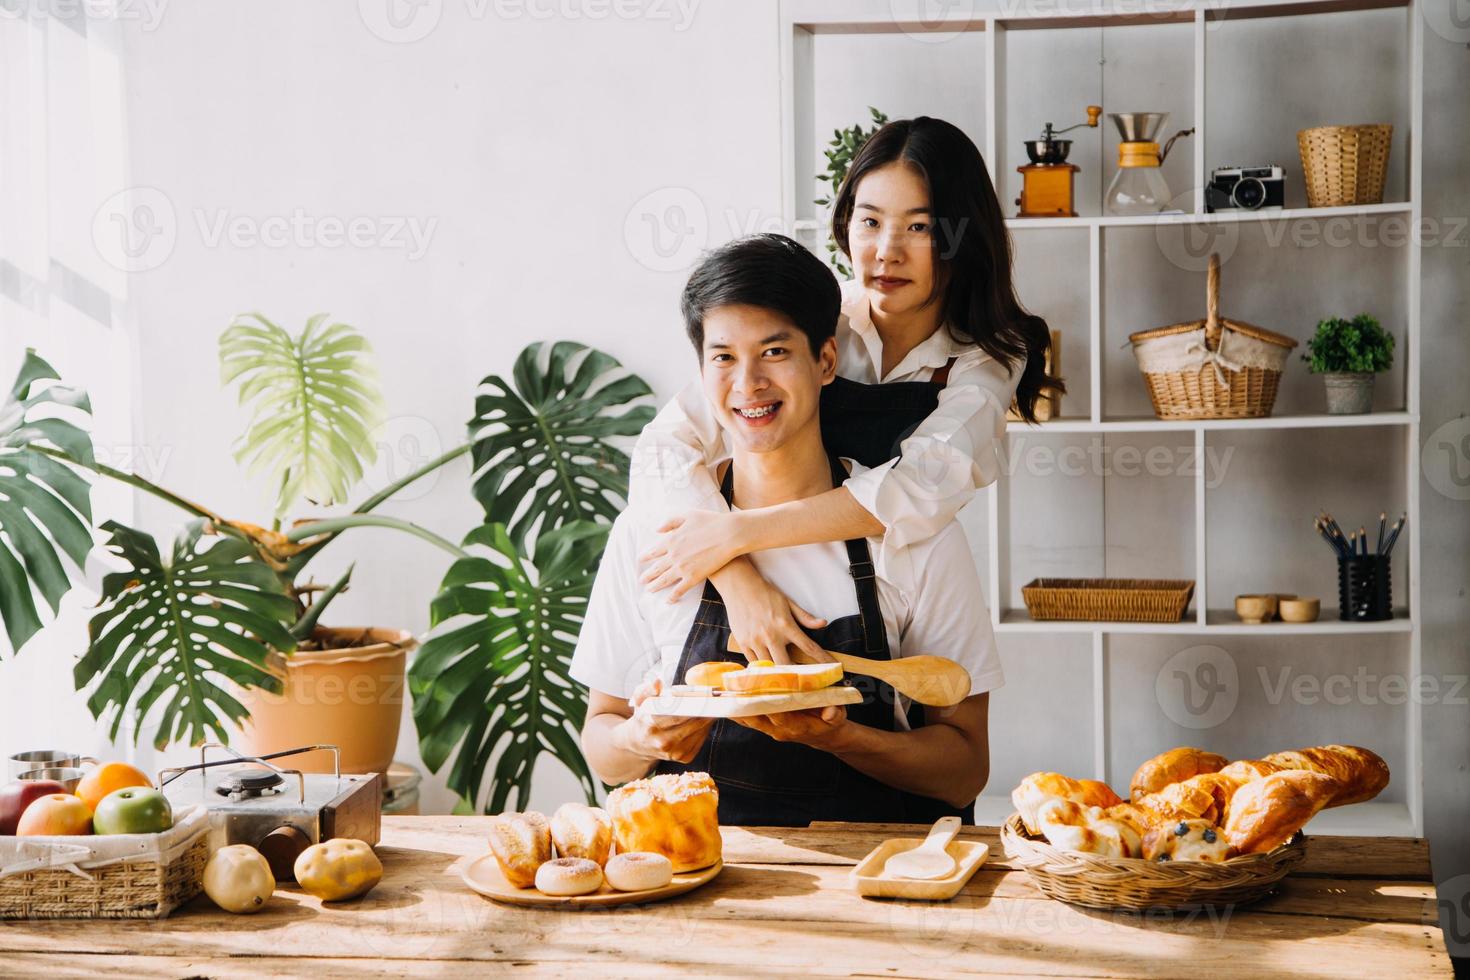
<point x="1347" y="353"/>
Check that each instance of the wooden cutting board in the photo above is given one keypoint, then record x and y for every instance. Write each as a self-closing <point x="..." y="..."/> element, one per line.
<point x="747" y="705"/>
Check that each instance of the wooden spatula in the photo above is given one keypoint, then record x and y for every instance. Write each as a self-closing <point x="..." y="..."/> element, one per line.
<point x="935" y="681"/>
<point x="929" y="859"/>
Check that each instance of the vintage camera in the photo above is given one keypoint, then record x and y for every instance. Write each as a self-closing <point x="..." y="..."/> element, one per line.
<point x="1245" y="188"/>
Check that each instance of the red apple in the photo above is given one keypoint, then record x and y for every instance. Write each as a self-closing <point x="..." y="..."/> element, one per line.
<point x="16" y="796"/>
<point x="56" y="815"/>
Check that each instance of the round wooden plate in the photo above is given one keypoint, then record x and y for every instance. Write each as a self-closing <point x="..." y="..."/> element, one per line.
<point x="484" y="876"/>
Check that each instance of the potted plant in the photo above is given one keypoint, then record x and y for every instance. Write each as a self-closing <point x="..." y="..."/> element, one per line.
<point x="1347" y="353"/>
<point x="225" y="623"/>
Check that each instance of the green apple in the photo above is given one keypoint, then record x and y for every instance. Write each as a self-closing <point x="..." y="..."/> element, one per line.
<point x="133" y="810"/>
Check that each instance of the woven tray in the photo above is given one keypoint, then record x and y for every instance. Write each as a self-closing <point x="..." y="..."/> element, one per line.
<point x="1136" y="885"/>
<point x="1128" y="600"/>
<point x="124" y="876"/>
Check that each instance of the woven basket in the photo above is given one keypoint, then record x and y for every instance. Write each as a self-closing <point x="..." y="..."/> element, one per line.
<point x="1344" y="165"/>
<point x="1212" y="368"/>
<point x="1129" y="600"/>
<point x="129" y="876"/>
<point x="1098" y="882"/>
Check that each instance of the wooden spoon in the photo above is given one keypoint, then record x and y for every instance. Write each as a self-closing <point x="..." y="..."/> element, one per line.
<point x="929" y="859"/>
<point x="935" y="681"/>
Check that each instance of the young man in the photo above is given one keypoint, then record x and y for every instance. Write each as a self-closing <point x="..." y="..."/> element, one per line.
<point x="762" y="313"/>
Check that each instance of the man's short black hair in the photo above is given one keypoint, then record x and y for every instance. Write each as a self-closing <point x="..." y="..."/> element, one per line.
<point x="769" y="271"/>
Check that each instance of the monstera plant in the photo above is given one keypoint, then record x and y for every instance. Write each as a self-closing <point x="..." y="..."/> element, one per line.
<point x="183" y="630"/>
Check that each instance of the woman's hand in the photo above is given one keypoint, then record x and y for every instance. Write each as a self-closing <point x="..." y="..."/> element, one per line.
<point x="691" y="548"/>
<point x="762" y="620"/>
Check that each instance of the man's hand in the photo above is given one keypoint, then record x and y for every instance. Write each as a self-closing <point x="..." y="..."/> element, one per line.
<point x="691" y="548"/>
<point x="660" y="737"/>
<point x="821" y="728"/>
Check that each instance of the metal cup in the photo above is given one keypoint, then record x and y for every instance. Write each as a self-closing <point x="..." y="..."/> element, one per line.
<point x="68" y="776"/>
<point x="23" y="762"/>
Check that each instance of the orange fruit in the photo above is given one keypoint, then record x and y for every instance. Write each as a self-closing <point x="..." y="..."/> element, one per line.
<point x="107" y="777"/>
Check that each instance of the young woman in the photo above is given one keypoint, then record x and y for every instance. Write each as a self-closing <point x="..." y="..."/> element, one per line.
<point x="933" y="346"/>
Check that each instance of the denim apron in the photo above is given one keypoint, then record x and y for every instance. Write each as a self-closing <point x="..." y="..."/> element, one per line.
<point x="764" y="782"/>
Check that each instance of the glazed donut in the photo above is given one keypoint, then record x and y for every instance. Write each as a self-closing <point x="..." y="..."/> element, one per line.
<point x="568" y="876"/>
<point x="638" y="871"/>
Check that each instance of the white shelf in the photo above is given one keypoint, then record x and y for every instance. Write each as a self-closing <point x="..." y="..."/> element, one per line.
<point x="1217" y="621"/>
<point x="1218" y="217"/>
<point x="1373" y="819"/>
<point x="1151" y="424"/>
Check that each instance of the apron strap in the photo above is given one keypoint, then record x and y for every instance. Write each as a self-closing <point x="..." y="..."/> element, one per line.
<point x="864" y="580"/>
<point x="941" y="375"/>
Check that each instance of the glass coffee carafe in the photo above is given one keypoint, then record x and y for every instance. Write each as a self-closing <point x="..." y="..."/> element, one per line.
<point x="1139" y="186"/>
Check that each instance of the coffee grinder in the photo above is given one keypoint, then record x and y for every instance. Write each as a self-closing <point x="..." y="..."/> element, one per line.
<point x="1048" y="180"/>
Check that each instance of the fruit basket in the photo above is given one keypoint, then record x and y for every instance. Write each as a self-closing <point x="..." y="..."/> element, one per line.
<point x="119" y="876"/>
<point x="1097" y="881"/>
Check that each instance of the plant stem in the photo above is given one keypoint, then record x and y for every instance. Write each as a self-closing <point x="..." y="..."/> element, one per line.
<point x="132" y="479"/>
<point x="417" y="474"/>
<point x="332" y="525"/>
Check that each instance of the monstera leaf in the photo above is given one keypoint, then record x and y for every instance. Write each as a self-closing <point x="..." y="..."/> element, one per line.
<point x="541" y="457"/>
<point x="492" y="677"/>
<point x="45" y="507"/>
<point x="315" y="403"/>
<point x="178" y="630"/>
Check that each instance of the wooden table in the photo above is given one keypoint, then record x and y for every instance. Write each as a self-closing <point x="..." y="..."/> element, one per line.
<point x="1359" y="906"/>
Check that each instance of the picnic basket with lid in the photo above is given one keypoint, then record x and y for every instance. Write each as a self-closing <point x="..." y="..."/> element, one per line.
<point x="1213" y="368"/>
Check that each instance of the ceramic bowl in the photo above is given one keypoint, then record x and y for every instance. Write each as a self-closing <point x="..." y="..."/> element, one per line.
<point x="1255" y="608"/>
<point x="1299" y="610"/>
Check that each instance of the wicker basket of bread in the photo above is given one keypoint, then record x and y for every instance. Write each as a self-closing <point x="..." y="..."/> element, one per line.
<point x="1197" y="829"/>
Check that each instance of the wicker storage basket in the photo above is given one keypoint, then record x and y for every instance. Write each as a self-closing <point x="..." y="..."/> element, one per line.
<point x="1344" y="165"/>
<point x="1212" y="368"/>
<point x="124" y="876"/>
<point x="1136" y="885"/>
<point x="1129" y="600"/>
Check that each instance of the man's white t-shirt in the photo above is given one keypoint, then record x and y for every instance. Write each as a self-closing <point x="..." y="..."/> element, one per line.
<point x="929" y="593"/>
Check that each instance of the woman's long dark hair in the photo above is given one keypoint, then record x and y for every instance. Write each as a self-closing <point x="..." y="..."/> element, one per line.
<point x="972" y="250"/>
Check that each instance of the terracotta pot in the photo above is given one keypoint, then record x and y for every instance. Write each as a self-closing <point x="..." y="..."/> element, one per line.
<point x="347" y="696"/>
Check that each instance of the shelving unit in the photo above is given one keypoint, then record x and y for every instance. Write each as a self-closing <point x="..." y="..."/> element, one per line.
<point x="998" y="45"/>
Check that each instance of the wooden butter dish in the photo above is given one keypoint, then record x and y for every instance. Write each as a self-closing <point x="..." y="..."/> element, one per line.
<point x="868" y="879"/>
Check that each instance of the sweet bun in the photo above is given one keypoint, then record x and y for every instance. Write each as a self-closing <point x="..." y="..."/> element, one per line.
<point x="1040" y="787"/>
<point x="1074" y="827"/>
<point x="1172" y="766"/>
<point x="1360" y="774"/>
<point x="782" y="678"/>
<point x="1188" y="840"/>
<point x="521" y="843"/>
<point x="568" y="876"/>
<point x="582" y="831"/>
<point x="676" y="815"/>
<point x="638" y="871"/>
<point x="709" y="673"/>
<point x="1266" y="812"/>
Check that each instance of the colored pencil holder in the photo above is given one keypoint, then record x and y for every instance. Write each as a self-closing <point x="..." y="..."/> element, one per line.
<point x="1364" y="592"/>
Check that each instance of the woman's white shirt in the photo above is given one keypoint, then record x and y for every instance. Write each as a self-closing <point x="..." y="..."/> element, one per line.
<point x="952" y="453"/>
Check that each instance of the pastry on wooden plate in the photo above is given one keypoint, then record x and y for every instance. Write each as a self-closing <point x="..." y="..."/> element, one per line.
<point x="521" y="843"/>
<point x="673" y="814"/>
<point x="582" y="831"/>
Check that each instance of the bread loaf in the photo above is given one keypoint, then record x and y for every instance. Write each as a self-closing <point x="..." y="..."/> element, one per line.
<point x="1074" y="827"/>
<point x="676" y="815"/>
<point x="521" y="843"/>
<point x="782" y="678"/>
<point x="1360" y="774"/>
<point x="1187" y="840"/>
<point x="1172" y="766"/>
<point x="582" y="831"/>
<point x="1265" y="813"/>
<point x="1039" y="787"/>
